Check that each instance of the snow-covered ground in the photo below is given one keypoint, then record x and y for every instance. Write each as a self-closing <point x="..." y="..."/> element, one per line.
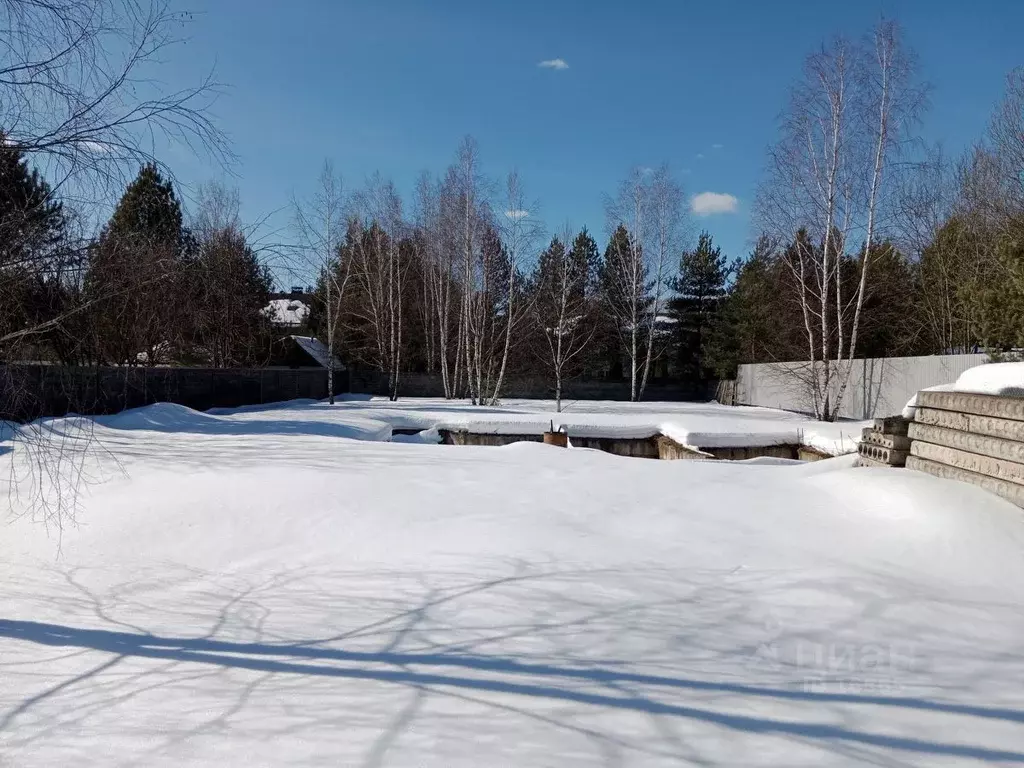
<point x="284" y="587"/>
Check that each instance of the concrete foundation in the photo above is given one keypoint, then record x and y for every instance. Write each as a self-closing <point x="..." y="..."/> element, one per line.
<point x="637" y="447"/>
<point x="671" y="450"/>
<point x="657" y="447"/>
<point x="754" y="452"/>
<point x="807" y="453"/>
<point x="1010" y="491"/>
<point x="460" y="437"/>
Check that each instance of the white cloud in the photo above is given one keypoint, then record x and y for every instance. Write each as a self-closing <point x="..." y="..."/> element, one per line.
<point x="517" y="214"/>
<point x="553" y="64"/>
<point x="95" y="147"/>
<point x="717" y="146"/>
<point x="700" y="155"/>
<point x="710" y="203"/>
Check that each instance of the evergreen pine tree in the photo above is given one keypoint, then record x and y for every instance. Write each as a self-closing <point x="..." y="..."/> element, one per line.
<point x="31" y="220"/>
<point x="230" y="293"/>
<point x="587" y="258"/>
<point x="32" y="249"/>
<point x="700" y="286"/>
<point x="562" y="305"/>
<point x="746" y="325"/>
<point x="136" y="272"/>
<point x="611" y="332"/>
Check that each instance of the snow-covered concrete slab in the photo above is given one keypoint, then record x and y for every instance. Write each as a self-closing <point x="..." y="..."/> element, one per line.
<point x="996" y="447"/>
<point x="1009" y="429"/>
<point x="701" y="425"/>
<point x="971" y="402"/>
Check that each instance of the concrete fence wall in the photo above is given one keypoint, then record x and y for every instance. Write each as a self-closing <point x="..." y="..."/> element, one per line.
<point x="30" y="391"/>
<point x="878" y="386"/>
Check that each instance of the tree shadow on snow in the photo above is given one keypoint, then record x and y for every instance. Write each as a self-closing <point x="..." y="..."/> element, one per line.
<point x="455" y="670"/>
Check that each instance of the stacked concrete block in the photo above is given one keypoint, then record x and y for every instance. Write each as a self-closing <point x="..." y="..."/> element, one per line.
<point x="973" y="438"/>
<point x="886" y="444"/>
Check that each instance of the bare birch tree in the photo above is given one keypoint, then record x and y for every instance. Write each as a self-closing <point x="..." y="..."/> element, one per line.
<point x="927" y="198"/>
<point x="424" y="219"/>
<point x="519" y="229"/>
<point x="892" y="102"/>
<point x="649" y="206"/>
<point x="81" y="98"/>
<point x="561" y="306"/>
<point x="663" y="243"/>
<point x="435" y="213"/>
<point x="848" y="117"/>
<point x="378" y="269"/>
<point x="1006" y="136"/>
<point x="467" y="183"/>
<point x="809" y="170"/>
<point x="320" y="227"/>
<point x="80" y="93"/>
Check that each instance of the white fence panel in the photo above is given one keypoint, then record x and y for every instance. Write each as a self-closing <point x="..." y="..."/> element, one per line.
<point x="878" y="386"/>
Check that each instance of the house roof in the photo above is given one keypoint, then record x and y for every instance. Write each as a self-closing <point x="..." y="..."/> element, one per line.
<point x="317" y="350"/>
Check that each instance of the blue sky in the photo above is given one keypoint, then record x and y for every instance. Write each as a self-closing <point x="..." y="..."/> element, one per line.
<point x="393" y="85"/>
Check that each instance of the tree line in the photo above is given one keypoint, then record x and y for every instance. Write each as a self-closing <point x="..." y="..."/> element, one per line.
<point x="873" y="243"/>
<point x="868" y="243"/>
<point x="467" y="285"/>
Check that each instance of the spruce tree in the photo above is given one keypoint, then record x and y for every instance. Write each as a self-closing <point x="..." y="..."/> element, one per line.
<point x="230" y="291"/>
<point x="746" y="327"/>
<point x="31" y="220"/>
<point x="136" y="275"/>
<point x="32" y="250"/>
<point x="562" y="305"/>
<point x="587" y="258"/>
<point x="700" y="286"/>
<point x="612" y="332"/>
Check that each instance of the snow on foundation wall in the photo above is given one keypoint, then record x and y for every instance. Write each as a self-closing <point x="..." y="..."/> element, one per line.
<point x="878" y="386"/>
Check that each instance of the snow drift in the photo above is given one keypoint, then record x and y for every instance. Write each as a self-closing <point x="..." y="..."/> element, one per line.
<point x="257" y="589"/>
